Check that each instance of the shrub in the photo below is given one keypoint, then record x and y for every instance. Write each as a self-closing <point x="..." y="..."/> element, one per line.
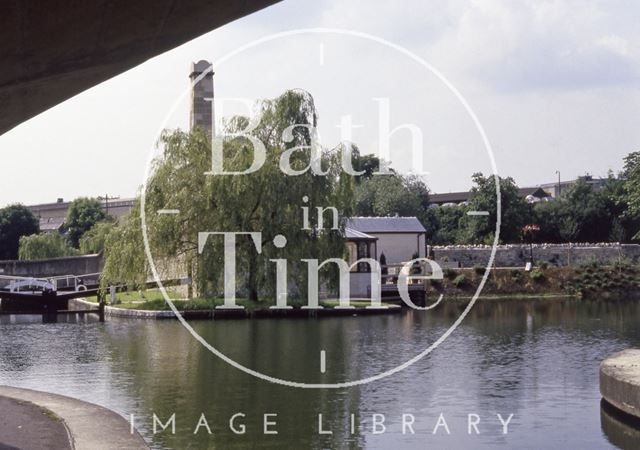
<point x="623" y="264"/>
<point x="544" y="265"/>
<point x="449" y="273"/>
<point x="383" y="264"/>
<point x="591" y="263"/>
<point x="516" y="274"/>
<point x="415" y="268"/>
<point x="460" y="281"/>
<point x="479" y="270"/>
<point x="44" y="246"/>
<point x="537" y="275"/>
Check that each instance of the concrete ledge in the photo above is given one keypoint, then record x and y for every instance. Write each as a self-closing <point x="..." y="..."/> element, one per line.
<point x="90" y="426"/>
<point x="620" y="381"/>
<point x="221" y="314"/>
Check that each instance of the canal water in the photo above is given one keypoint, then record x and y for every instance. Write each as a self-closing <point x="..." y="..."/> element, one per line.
<point x="537" y="360"/>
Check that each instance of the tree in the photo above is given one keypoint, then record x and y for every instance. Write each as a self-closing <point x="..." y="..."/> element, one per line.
<point x="515" y="212"/>
<point x="266" y="201"/>
<point x="93" y="241"/>
<point x="554" y="220"/>
<point x="124" y="259"/>
<point x="588" y="210"/>
<point x="83" y="214"/>
<point x="631" y="175"/>
<point x="15" y="221"/>
<point x="365" y="163"/>
<point x="390" y="195"/>
<point x="44" y="246"/>
<point x="586" y="214"/>
<point x="384" y="269"/>
<point x="444" y="224"/>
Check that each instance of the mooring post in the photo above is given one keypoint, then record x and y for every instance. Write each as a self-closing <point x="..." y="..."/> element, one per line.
<point x="101" y="303"/>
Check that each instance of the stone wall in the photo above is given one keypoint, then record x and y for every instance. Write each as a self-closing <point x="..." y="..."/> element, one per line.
<point x="562" y="255"/>
<point x="72" y="265"/>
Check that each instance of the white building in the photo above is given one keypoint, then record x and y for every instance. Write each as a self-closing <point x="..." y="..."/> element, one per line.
<point x="398" y="238"/>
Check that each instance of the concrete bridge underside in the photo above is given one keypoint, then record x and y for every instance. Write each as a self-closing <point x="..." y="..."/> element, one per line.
<point x="52" y="50"/>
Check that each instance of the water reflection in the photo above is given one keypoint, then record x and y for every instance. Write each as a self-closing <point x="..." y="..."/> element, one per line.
<point x="537" y="360"/>
<point x="621" y="429"/>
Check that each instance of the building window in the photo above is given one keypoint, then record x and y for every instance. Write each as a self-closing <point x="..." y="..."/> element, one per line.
<point x="363" y="252"/>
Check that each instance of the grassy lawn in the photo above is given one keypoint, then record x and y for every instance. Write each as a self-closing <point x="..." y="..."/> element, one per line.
<point x="154" y="301"/>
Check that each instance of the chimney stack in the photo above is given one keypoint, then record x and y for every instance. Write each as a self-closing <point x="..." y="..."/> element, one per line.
<point x="201" y="115"/>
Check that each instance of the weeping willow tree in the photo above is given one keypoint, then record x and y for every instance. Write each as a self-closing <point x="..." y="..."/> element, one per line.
<point x="124" y="258"/>
<point x="267" y="201"/>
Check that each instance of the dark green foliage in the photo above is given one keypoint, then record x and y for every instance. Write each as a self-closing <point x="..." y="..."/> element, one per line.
<point x="82" y="215"/>
<point x="593" y="279"/>
<point x="460" y="281"/>
<point x="383" y="264"/>
<point x="631" y="176"/>
<point x="365" y="163"/>
<point x="516" y="274"/>
<point x="537" y="275"/>
<point x="515" y="212"/>
<point x="390" y="195"/>
<point x="587" y="214"/>
<point x="443" y="224"/>
<point x="449" y="273"/>
<point x="15" y="221"/>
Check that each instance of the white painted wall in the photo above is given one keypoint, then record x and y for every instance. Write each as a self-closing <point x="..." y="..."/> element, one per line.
<point x="360" y="285"/>
<point x="399" y="247"/>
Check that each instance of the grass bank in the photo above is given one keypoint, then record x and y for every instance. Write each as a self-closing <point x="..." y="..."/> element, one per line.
<point x="544" y="281"/>
<point x="153" y="300"/>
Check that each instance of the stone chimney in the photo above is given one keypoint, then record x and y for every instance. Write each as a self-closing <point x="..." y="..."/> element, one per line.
<point x="201" y="115"/>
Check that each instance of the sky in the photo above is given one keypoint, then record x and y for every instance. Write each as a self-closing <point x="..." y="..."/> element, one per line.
<point x="555" y="85"/>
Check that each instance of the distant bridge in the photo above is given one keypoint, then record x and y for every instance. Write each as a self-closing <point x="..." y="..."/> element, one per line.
<point x="52" y="51"/>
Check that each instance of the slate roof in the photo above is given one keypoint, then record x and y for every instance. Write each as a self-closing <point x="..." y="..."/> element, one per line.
<point x="51" y="223"/>
<point x="386" y="225"/>
<point x="350" y="233"/>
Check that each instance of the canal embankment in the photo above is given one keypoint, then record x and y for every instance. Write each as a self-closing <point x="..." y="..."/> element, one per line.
<point x="543" y="281"/>
<point x="24" y="425"/>
<point x="619" y="280"/>
<point x="222" y="314"/>
<point x="41" y="420"/>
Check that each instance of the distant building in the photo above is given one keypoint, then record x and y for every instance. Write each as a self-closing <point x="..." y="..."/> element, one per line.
<point x="556" y="189"/>
<point x="52" y="215"/>
<point x="530" y="194"/>
<point x="201" y="114"/>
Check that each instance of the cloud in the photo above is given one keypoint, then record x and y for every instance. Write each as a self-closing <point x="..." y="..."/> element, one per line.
<point x="543" y="44"/>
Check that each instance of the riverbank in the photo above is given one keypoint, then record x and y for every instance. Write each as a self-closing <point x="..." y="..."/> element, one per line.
<point x="544" y="281"/>
<point x="74" y="424"/>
